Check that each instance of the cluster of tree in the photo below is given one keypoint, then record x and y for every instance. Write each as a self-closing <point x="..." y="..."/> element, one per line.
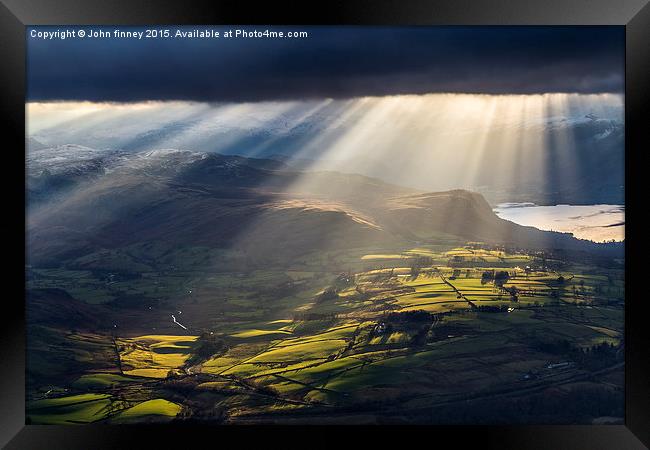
<point x="207" y="345"/>
<point x="487" y="276"/>
<point x="501" y="277"/>
<point x="498" y="277"/>
<point x="592" y="358"/>
<point x="415" y="316"/>
<point x="600" y="356"/>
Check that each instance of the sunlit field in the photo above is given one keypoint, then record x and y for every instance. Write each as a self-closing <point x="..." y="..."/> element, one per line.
<point x="345" y="339"/>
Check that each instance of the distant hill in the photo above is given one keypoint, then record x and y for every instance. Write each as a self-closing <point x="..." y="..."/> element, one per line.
<point x="566" y="155"/>
<point x="259" y="207"/>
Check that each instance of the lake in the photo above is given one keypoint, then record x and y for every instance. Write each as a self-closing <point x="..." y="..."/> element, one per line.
<point x="593" y="222"/>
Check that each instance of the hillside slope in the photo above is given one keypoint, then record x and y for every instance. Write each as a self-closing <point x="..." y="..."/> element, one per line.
<point x="258" y="207"/>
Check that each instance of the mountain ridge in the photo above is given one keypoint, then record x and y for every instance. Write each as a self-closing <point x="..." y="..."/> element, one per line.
<point x="260" y="206"/>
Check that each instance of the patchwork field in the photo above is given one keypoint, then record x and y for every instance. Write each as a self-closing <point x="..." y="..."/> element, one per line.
<point x="361" y="335"/>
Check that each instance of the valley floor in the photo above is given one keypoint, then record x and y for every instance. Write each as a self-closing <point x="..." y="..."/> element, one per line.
<point x="449" y="333"/>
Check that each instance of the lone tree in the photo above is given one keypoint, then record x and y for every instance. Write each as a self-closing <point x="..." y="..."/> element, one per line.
<point x="514" y="293"/>
<point x="501" y="277"/>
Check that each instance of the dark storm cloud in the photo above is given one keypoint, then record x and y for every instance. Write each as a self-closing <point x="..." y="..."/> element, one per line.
<point x="331" y="62"/>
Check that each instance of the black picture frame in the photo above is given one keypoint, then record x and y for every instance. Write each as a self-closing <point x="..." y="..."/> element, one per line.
<point x="15" y="15"/>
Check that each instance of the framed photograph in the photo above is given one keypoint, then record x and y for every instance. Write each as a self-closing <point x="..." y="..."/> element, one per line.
<point x="369" y="217"/>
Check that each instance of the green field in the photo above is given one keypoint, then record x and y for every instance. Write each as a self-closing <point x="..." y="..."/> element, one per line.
<point x="373" y="331"/>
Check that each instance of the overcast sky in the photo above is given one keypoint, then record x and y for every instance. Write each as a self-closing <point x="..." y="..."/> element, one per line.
<point x="333" y="62"/>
